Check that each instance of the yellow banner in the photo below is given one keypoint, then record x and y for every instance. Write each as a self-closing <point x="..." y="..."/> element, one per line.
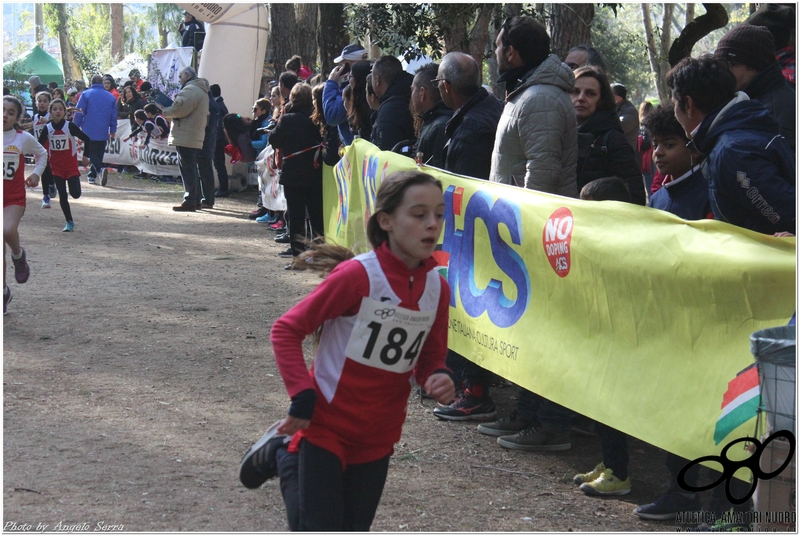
<point x="626" y="314"/>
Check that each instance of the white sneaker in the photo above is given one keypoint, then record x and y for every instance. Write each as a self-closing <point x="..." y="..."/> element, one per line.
<point x="46" y="201"/>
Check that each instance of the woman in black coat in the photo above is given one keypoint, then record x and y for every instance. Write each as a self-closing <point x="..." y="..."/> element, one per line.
<point x="603" y="150"/>
<point x="128" y="102"/>
<point x="300" y="142"/>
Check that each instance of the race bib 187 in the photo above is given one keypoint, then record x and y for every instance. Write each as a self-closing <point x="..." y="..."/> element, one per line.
<point x="388" y="337"/>
<point x="59" y="142"/>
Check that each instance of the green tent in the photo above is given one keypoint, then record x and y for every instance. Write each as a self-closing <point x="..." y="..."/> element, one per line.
<point x="34" y="61"/>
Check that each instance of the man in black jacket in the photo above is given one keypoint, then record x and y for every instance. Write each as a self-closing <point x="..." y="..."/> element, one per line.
<point x="749" y="51"/>
<point x="473" y="126"/>
<point x="470" y="134"/>
<point x="392" y="85"/>
<point x="428" y="106"/>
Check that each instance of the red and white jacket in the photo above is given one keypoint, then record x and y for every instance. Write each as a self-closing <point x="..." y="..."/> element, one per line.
<point x="382" y="323"/>
<point x="16" y="144"/>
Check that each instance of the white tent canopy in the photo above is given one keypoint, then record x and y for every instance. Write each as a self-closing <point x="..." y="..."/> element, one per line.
<point x="131" y="61"/>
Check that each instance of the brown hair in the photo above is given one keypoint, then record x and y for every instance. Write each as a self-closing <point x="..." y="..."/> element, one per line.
<point x="263" y="104"/>
<point x="390" y="196"/>
<point x="301" y="97"/>
<point x="318" y="116"/>
<point x="323" y="257"/>
<point x="607" y="100"/>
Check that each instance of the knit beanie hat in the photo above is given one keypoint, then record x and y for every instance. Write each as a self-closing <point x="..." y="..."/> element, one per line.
<point x="34" y="81"/>
<point x="748" y="44"/>
<point x="779" y="19"/>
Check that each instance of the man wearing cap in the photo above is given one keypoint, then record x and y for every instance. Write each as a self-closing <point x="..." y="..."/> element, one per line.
<point x="780" y="20"/>
<point x="98" y="119"/>
<point x="627" y="113"/>
<point x="135" y="75"/>
<point x="749" y="51"/>
<point x="332" y="103"/>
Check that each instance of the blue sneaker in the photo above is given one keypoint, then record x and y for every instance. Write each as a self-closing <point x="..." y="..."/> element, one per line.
<point x="46" y="201"/>
<point x="92" y="180"/>
<point x="53" y="191"/>
<point x="266" y="219"/>
<point x="70" y="227"/>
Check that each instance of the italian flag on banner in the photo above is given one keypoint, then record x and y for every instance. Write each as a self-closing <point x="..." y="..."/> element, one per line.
<point x="740" y="402"/>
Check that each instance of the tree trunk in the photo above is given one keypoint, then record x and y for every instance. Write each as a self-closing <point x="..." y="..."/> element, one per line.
<point x="284" y="35"/>
<point x="38" y="24"/>
<point x="690" y="9"/>
<point x="332" y="35"/>
<point x="71" y="68"/>
<point x="569" y="26"/>
<point x="117" y="33"/>
<point x="663" y="53"/>
<point x="652" y="50"/>
<point x="460" y="38"/>
<point x="715" y="17"/>
<point x="307" y="28"/>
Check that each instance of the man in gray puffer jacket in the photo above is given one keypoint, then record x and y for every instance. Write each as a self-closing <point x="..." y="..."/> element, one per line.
<point x="189" y="114"/>
<point x="536" y="141"/>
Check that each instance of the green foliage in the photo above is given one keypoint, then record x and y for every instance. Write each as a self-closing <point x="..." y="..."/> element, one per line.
<point x="413" y="30"/>
<point x="621" y="41"/>
<point x="89" y="28"/>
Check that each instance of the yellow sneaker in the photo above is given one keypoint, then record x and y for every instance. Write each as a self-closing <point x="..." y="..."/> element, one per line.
<point x="589" y="476"/>
<point x="607" y="485"/>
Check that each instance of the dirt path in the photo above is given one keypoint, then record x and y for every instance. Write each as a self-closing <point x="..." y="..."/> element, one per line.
<point x="137" y="370"/>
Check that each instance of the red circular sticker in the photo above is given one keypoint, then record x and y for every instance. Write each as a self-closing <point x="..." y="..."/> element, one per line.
<point x="558" y="240"/>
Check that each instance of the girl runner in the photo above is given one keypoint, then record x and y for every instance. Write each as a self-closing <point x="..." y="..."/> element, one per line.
<point x="40" y="120"/>
<point x="16" y="143"/>
<point x="58" y="137"/>
<point x="385" y="317"/>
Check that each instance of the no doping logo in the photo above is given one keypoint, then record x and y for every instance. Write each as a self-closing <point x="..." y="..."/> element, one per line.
<point x="558" y="240"/>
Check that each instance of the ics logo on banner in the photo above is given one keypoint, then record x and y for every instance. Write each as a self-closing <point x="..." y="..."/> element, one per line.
<point x="558" y="240"/>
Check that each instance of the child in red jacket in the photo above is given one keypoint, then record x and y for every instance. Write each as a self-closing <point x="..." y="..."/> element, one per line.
<point x="384" y="317"/>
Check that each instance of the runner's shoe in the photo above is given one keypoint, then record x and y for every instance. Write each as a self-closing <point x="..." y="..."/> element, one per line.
<point x="46" y="201"/>
<point x="6" y="300"/>
<point x="53" y="191"/>
<point x="69" y="227"/>
<point x="259" y="464"/>
<point x="468" y="407"/>
<point x="21" y="269"/>
<point x="607" y="485"/>
<point x="589" y="476"/>
<point x="104" y="176"/>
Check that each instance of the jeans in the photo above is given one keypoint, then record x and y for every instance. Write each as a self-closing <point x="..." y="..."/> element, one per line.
<point x="206" y="169"/>
<point x="320" y="496"/>
<point x="219" y="164"/>
<point x="614" y="450"/>
<point x="298" y="199"/>
<point x="96" y="152"/>
<point x="187" y="162"/>
<point x="477" y="378"/>
<point x="532" y="407"/>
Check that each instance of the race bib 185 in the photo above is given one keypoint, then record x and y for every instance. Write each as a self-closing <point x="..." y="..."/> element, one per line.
<point x="10" y="165"/>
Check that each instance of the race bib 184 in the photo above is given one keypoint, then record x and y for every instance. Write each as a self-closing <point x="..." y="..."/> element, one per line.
<point x="388" y="337"/>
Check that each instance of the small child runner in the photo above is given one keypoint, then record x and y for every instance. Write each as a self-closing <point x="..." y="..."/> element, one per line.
<point x="16" y="144"/>
<point x="40" y="120"/>
<point x="58" y="137"/>
<point x="384" y="316"/>
<point x="161" y="125"/>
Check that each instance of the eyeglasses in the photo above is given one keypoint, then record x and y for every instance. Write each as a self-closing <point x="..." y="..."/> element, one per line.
<point x="437" y="80"/>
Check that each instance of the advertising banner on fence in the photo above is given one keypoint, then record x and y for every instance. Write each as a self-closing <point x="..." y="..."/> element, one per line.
<point x="626" y="314"/>
<point x="155" y="158"/>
